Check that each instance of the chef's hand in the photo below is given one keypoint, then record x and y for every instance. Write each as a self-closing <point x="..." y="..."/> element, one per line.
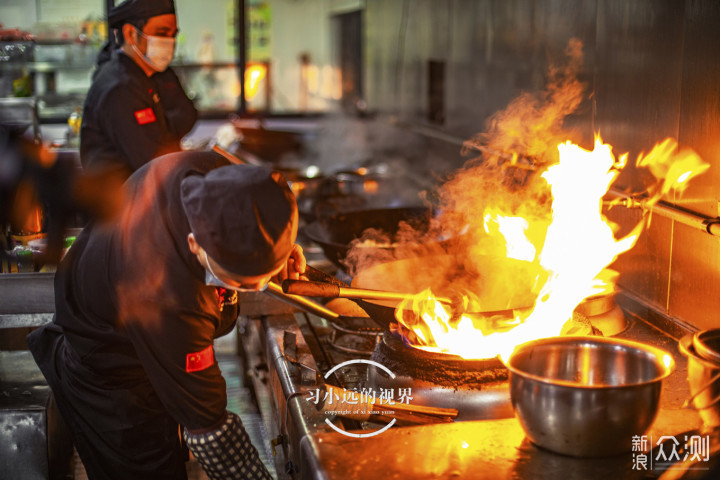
<point x="295" y="266"/>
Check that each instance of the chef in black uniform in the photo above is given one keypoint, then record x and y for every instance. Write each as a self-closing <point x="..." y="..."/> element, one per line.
<point x="136" y="109"/>
<point x="129" y="355"/>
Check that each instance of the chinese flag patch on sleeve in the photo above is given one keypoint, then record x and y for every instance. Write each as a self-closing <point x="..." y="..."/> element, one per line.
<point x="197" y="361"/>
<point x="145" y="115"/>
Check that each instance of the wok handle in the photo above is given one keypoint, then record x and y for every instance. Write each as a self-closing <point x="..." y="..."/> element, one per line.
<point x="311" y="289"/>
<point x="329" y="290"/>
<point x="304" y="304"/>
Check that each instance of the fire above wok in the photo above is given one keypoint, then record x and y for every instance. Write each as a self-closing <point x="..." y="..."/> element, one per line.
<point x="501" y="287"/>
<point x="500" y="295"/>
<point x="566" y="248"/>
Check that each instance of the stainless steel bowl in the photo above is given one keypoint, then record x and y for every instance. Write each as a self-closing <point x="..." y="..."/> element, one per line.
<point x="586" y="396"/>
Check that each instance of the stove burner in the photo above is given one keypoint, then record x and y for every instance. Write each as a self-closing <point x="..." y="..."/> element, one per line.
<point x="478" y="389"/>
<point x="358" y="336"/>
<point x="439" y="368"/>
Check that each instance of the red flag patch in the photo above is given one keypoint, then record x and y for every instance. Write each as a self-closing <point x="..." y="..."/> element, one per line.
<point x="145" y="116"/>
<point x="197" y="361"/>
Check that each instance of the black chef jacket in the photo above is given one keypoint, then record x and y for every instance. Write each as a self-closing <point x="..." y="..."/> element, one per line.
<point x="131" y="341"/>
<point x="130" y="118"/>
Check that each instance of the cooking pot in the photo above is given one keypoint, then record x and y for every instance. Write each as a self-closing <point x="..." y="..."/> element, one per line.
<point x="586" y="396"/>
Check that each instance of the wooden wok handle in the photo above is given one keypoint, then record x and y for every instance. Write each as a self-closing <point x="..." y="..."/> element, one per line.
<point x="311" y="289"/>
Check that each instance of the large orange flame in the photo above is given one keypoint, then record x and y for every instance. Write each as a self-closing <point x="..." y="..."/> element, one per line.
<point x="578" y="243"/>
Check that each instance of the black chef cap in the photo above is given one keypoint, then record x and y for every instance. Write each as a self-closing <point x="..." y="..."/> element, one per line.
<point x="138" y="10"/>
<point x="244" y="216"/>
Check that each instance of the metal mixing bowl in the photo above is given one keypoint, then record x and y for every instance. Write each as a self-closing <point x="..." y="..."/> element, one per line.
<point x="586" y="396"/>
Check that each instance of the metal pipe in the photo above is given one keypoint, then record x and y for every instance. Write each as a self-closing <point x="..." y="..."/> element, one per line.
<point x="692" y="219"/>
<point x="469" y="144"/>
<point x="451" y="139"/>
<point x="700" y="222"/>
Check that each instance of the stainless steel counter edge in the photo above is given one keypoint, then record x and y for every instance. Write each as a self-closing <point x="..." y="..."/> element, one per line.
<point x="300" y="417"/>
<point x="20" y="320"/>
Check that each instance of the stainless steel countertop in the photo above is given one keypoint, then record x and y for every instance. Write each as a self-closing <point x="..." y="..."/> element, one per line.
<point x="493" y="449"/>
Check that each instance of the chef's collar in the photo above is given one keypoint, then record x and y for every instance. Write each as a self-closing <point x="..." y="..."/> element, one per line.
<point x="244" y="216"/>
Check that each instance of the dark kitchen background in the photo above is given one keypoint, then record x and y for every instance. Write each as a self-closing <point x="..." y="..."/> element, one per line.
<point x="407" y="83"/>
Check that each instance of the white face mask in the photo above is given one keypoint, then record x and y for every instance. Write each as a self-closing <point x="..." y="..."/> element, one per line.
<point x="159" y="51"/>
<point x="212" y="280"/>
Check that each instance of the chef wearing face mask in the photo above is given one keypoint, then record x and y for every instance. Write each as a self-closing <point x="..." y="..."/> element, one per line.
<point x="136" y="108"/>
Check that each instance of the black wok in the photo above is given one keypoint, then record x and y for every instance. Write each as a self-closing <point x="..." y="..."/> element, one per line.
<point x="502" y="286"/>
<point x="362" y="188"/>
<point x="269" y="145"/>
<point x="335" y="233"/>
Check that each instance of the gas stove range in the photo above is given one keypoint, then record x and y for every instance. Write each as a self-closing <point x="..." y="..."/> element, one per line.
<point x="293" y="354"/>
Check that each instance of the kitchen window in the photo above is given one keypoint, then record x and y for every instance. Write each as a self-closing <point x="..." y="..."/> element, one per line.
<point x="288" y="55"/>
